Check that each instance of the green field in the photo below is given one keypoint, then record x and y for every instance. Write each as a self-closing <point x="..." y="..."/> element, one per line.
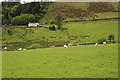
<point x="81" y="32"/>
<point x="86" y="61"/>
<point x="84" y="24"/>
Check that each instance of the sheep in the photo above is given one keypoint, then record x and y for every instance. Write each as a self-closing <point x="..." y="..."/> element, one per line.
<point x="5" y="48"/>
<point x="20" y="49"/>
<point x="24" y="49"/>
<point x="65" y="46"/>
<point x="96" y="44"/>
<point x="52" y="46"/>
<point x="69" y="44"/>
<point x="104" y="43"/>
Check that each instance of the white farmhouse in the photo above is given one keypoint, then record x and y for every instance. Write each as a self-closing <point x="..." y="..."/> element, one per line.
<point x="33" y="24"/>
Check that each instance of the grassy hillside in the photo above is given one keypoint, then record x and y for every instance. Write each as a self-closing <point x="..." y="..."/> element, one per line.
<point x="72" y="62"/>
<point x="80" y="10"/>
<point x="79" y="33"/>
<point x="44" y="56"/>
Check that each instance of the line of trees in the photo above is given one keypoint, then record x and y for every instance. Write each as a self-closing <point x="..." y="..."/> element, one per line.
<point x="20" y="14"/>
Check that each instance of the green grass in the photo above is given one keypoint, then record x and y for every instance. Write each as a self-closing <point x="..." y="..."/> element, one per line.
<point x="84" y="32"/>
<point x="94" y="30"/>
<point x="73" y="62"/>
<point x="107" y="15"/>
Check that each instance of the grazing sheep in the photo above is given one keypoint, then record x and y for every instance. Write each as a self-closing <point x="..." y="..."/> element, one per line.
<point x="20" y="49"/>
<point x="24" y="49"/>
<point x="104" y="43"/>
<point x="69" y="44"/>
<point x="5" y="48"/>
<point x="52" y="46"/>
<point x="65" y="46"/>
<point x="96" y="44"/>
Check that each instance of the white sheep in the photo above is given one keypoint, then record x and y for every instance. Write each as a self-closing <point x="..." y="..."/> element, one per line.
<point x="52" y="46"/>
<point x="5" y="48"/>
<point x="104" y="43"/>
<point x="24" y="49"/>
<point x="69" y="44"/>
<point x="20" y="49"/>
<point x="65" y="46"/>
<point x="96" y="44"/>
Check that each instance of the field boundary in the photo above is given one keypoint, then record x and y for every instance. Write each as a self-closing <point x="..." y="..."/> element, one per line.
<point x="93" y="20"/>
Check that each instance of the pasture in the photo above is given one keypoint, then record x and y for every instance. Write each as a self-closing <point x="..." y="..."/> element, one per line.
<point x="81" y="32"/>
<point x="87" y="61"/>
<point x="84" y="23"/>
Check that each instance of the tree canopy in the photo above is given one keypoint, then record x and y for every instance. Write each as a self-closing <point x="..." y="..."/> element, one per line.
<point x="21" y="14"/>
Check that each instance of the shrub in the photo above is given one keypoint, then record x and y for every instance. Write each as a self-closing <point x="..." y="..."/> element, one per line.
<point x="111" y="37"/>
<point x="59" y="21"/>
<point x="50" y="28"/>
<point x="9" y="32"/>
<point x="53" y="28"/>
<point x="100" y="41"/>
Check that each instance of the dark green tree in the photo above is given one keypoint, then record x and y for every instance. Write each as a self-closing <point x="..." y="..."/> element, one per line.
<point x="23" y="19"/>
<point x="9" y="32"/>
<point x="16" y="10"/>
<point x="53" y="28"/>
<point x="59" y="21"/>
<point x="111" y="37"/>
<point x="50" y="28"/>
<point x="6" y="17"/>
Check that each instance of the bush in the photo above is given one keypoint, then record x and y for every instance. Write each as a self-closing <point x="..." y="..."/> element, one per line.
<point x="52" y="28"/>
<point x="59" y="21"/>
<point x="9" y="32"/>
<point x="111" y="37"/>
<point x="100" y="41"/>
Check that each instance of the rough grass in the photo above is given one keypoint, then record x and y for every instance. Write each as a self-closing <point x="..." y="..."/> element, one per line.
<point x="107" y="15"/>
<point x="72" y="62"/>
<point x="83" y="32"/>
<point x="92" y="31"/>
<point x="75" y="10"/>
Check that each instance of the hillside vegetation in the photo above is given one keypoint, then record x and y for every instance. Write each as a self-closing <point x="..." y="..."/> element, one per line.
<point x="38" y="52"/>
<point x="45" y="12"/>
<point x="82" y="27"/>
<point x="77" y="33"/>
<point x="81" y="11"/>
